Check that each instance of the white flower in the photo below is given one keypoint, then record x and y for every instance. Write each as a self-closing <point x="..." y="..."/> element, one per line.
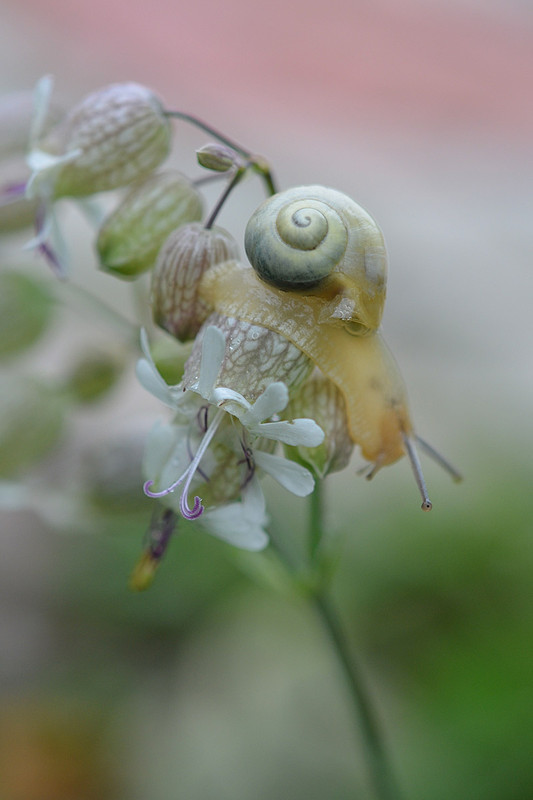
<point x="169" y="458"/>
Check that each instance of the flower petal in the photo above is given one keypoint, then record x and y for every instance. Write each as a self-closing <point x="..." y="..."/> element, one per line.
<point x="291" y="476"/>
<point x="241" y="524"/>
<point x="222" y="395"/>
<point x="149" y="377"/>
<point x="274" y="399"/>
<point x="41" y="103"/>
<point x="213" y="349"/>
<point x="295" y="432"/>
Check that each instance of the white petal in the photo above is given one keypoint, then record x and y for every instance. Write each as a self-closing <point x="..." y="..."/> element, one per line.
<point x="274" y="399"/>
<point x="45" y="168"/>
<point x="41" y="103"/>
<point x="290" y="475"/>
<point x="296" y="432"/>
<point x="241" y="524"/>
<point x="149" y="377"/>
<point x="223" y="396"/>
<point x="213" y="349"/>
<point x="227" y="523"/>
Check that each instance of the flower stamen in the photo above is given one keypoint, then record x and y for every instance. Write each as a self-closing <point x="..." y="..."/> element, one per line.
<point x="187" y="476"/>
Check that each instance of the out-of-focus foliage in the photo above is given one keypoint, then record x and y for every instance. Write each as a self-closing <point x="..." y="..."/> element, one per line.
<point x="31" y="422"/>
<point x="26" y="308"/>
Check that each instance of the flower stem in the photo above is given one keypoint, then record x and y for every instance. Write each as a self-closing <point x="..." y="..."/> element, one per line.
<point x="224" y="196"/>
<point x="378" y="764"/>
<point x="315" y="521"/>
<point x="259" y="164"/>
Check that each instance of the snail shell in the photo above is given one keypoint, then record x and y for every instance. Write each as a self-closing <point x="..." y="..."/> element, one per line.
<point x="319" y="242"/>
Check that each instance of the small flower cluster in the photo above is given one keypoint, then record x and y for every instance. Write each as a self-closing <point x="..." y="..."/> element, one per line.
<point x="286" y="350"/>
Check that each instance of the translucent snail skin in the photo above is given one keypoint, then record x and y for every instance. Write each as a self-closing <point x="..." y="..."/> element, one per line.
<point x="319" y="279"/>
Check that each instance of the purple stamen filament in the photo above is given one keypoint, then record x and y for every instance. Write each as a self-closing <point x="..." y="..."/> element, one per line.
<point x="250" y="463"/>
<point x="188" y="475"/>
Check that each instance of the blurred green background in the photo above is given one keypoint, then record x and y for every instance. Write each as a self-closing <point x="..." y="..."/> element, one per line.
<point x="217" y="683"/>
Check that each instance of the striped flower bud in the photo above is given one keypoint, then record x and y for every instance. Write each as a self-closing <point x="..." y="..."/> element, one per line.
<point x="320" y="399"/>
<point x="182" y="261"/>
<point x="218" y="157"/>
<point x="110" y="139"/>
<point x="131" y="237"/>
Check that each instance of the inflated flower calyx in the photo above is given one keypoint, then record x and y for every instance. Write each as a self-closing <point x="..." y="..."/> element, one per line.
<point x="318" y="241"/>
<point x="185" y="256"/>
<point x="319" y="399"/>
<point x="131" y="237"/>
<point x="114" y="136"/>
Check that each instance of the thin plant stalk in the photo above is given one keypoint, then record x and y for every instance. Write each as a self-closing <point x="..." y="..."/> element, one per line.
<point x="379" y="768"/>
<point x="257" y="163"/>
<point x="237" y="177"/>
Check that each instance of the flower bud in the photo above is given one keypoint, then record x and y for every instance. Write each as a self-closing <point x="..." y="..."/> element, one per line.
<point x="216" y="156"/>
<point x="185" y="256"/>
<point x="131" y="237"/>
<point x="319" y="399"/>
<point x="111" y="138"/>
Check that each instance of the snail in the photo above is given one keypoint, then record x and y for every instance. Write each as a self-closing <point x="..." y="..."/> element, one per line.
<point x="319" y="279"/>
<point x="319" y="242"/>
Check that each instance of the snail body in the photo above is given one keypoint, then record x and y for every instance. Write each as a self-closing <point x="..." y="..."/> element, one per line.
<point x="362" y="367"/>
<point x="326" y="297"/>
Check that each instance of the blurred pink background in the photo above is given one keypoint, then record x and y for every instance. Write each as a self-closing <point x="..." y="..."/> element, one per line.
<point x="421" y="111"/>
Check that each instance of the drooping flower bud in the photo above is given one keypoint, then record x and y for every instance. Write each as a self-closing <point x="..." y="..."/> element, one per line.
<point x="183" y="259"/>
<point x="131" y="237"/>
<point x="218" y="157"/>
<point x="113" y="137"/>
<point x="320" y="399"/>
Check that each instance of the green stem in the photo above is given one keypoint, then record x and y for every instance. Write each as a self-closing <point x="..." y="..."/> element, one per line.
<point x="70" y="291"/>
<point x="198" y="123"/>
<point x="259" y="164"/>
<point x="237" y="177"/>
<point x="315" y="521"/>
<point x="378" y="764"/>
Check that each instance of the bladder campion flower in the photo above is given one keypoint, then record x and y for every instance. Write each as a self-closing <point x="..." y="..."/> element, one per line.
<point x="116" y="135"/>
<point x="217" y="442"/>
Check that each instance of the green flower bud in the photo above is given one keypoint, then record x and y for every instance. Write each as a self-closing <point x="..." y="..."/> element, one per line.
<point x="131" y="237"/>
<point x="113" y="137"/>
<point x="218" y="157"/>
<point x="184" y="258"/>
<point x="319" y="399"/>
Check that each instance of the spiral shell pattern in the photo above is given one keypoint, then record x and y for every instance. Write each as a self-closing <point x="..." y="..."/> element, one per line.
<point x="317" y="240"/>
<point x="295" y="242"/>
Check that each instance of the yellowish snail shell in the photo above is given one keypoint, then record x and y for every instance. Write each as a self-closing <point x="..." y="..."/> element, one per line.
<point x="329" y="309"/>
<point x="320" y="242"/>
